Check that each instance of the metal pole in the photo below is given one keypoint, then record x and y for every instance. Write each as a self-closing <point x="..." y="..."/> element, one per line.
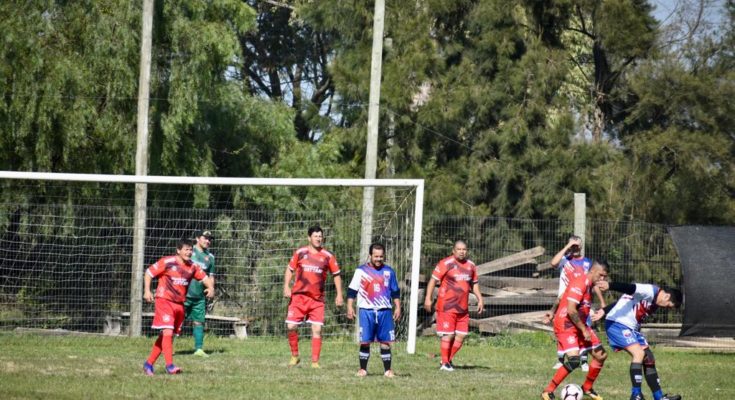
<point x="141" y="168"/>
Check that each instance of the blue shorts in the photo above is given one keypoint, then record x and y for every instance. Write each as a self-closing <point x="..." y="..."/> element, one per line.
<point x="377" y="325"/>
<point x="620" y="336"/>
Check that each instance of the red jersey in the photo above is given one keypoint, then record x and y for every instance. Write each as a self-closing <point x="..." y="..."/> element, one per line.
<point x="455" y="280"/>
<point x="310" y="269"/>
<point x="579" y="292"/>
<point x="174" y="277"/>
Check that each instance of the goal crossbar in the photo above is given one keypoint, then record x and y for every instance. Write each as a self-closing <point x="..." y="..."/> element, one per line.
<point x="418" y="184"/>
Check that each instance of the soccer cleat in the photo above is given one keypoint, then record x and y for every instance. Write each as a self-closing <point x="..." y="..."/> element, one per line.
<point x="389" y="374"/>
<point x="361" y="373"/>
<point x="201" y="353"/>
<point x="557" y="365"/>
<point x="294" y="361"/>
<point x="592" y="395"/>
<point x="585" y="367"/>
<point x="637" y="397"/>
<point x="148" y="368"/>
<point x="173" y="370"/>
<point x="671" y="397"/>
<point x="315" y="365"/>
<point x="446" y="367"/>
<point x="547" y="396"/>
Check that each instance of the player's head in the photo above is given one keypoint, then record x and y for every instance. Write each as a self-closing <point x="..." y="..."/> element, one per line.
<point x="377" y="254"/>
<point x="669" y="297"/>
<point x="598" y="271"/>
<point x="183" y="248"/>
<point x="459" y="251"/>
<point x="203" y="238"/>
<point x="316" y="236"/>
<point x="576" y="249"/>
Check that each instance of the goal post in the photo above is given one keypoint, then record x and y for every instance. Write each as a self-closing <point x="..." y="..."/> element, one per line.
<point x="402" y="225"/>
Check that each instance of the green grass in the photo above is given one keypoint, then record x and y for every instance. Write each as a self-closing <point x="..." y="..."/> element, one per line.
<point x="503" y="367"/>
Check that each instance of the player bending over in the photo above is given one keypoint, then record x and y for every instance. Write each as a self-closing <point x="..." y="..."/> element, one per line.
<point x="623" y="327"/>
<point x="374" y="285"/>
<point x="574" y="335"/>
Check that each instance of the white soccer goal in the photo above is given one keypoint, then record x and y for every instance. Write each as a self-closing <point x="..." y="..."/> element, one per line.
<point x="66" y="245"/>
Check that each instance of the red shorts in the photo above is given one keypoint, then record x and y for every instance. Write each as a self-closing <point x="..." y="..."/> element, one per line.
<point x="302" y="307"/>
<point x="572" y="339"/>
<point x="168" y="315"/>
<point x="450" y="323"/>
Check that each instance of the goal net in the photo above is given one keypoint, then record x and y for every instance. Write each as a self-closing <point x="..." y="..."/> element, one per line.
<point x="66" y="246"/>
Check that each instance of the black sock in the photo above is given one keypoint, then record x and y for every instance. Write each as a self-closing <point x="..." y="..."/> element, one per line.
<point x="652" y="379"/>
<point x="386" y="356"/>
<point x="636" y="375"/>
<point x="364" y="355"/>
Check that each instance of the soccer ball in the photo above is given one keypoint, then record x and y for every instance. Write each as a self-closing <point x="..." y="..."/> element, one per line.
<point x="571" y="392"/>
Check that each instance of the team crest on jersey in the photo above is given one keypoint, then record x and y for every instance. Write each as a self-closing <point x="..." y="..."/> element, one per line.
<point x="386" y="278"/>
<point x="206" y="258"/>
<point x="174" y="268"/>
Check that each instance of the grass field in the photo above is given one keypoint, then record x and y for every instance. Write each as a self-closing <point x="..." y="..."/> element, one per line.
<point x="502" y="367"/>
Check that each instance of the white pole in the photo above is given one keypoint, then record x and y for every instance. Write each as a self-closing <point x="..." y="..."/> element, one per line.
<point x="141" y="168"/>
<point x="371" y="156"/>
<point x="415" y="269"/>
<point x="580" y="217"/>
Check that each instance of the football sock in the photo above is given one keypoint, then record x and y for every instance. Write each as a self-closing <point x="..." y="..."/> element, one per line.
<point x="636" y="377"/>
<point x="653" y="382"/>
<point x="293" y="342"/>
<point x="364" y="356"/>
<point x="316" y="348"/>
<point x="155" y="351"/>
<point x="168" y="346"/>
<point x="386" y="356"/>
<point x="595" y="368"/>
<point x="198" y="331"/>
<point x="455" y="348"/>
<point x="558" y="378"/>
<point x="446" y="346"/>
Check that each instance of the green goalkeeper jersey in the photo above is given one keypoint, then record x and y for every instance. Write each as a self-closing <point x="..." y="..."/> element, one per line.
<point x="205" y="260"/>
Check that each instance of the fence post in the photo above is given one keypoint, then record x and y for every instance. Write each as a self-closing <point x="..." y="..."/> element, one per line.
<point x="580" y="217"/>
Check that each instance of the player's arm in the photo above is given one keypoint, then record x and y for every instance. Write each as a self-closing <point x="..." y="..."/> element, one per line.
<point x="287" y="282"/>
<point x="549" y="315"/>
<point x="339" y="300"/>
<point x="573" y="315"/>
<point x="627" y="288"/>
<point x="558" y="256"/>
<point x="147" y="295"/>
<point x="351" y="294"/>
<point x="395" y="294"/>
<point x="478" y="294"/>
<point x="429" y="294"/>
<point x="208" y="283"/>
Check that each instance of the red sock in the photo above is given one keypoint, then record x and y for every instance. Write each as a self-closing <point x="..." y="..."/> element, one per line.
<point x="455" y="348"/>
<point x="595" y="368"/>
<point x="155" y="351"/>
<point x="558" y="378"/>
<point x="316" y="348"/>
<point x="446" y="346"/>
<point x="293" y="341"/>
<point x="168" y="346"/>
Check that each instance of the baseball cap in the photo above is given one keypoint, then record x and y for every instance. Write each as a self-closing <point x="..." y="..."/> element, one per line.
<point x="205" y="233"/>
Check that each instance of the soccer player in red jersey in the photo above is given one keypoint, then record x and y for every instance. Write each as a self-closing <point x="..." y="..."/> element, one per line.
<point x="455" y="275"/>
<point x="308" y="267"/>
<point x="573" y="334"/>
<point x="174" y="274"/>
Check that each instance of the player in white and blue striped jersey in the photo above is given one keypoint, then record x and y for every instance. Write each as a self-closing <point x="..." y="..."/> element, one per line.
<point x="623" y="327"/>
<point x="375" y="287"/>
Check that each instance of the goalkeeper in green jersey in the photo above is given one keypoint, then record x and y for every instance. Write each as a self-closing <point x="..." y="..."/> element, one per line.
<point x="196" y="303"/>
